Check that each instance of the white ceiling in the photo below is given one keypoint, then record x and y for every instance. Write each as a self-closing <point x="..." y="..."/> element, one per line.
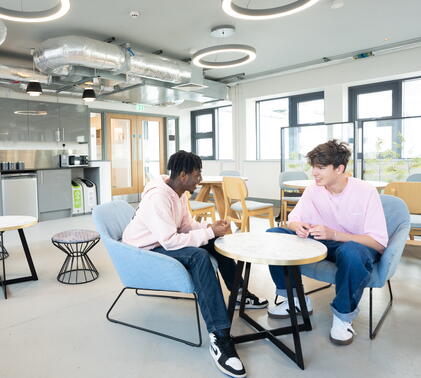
<point x="181" y="27"/>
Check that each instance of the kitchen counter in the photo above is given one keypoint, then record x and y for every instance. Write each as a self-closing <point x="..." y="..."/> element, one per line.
<point x="32" y="170"/>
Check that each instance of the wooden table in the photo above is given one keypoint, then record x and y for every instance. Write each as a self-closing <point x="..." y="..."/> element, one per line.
<point x="214" y="184"/>
<point x="272" y="248"/>
<point x="302" y="184"/>
<point x="17" y="222"/>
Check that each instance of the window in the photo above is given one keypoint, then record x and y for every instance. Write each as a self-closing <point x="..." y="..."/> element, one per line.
<point x="211" y="133"/>
<point x="380" y="100"/>
<point x="387" y="140"/>
<point x="411" y="97"/>
<point x="281" y="112"/>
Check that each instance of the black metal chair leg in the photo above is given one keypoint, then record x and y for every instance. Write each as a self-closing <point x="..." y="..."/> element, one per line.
<point x="383" y="317"/>
<point x="156" y="332"/>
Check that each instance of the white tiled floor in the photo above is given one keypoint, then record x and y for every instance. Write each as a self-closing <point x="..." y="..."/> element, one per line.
<point x="51" y="330"/>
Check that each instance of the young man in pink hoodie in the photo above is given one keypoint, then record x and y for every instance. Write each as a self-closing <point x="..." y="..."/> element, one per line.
<point x="163" y="224"/>
<point x="346" y="215"/>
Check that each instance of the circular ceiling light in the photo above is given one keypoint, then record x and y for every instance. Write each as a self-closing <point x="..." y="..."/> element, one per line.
<point x="57" y="11"/>
<point x="263" y="14"/>
<point x="198" y="57"/>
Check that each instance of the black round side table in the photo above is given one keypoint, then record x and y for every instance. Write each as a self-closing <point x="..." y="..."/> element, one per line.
<point x="78" y="267"/>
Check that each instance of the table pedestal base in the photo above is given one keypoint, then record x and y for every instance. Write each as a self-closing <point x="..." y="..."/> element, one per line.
<point x="291" y="273"/>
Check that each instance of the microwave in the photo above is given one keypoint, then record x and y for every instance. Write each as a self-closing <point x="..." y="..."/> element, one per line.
<point x="73" y="160"/>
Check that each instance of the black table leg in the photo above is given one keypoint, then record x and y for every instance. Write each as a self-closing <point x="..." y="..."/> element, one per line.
<point x="293" y="317"/>
<point x="234" y="291"/>
<point x="270" y="334"/>
<point x="33" y="276"/>
<point x="3" y="255"/>
<point x="301" y="298"/>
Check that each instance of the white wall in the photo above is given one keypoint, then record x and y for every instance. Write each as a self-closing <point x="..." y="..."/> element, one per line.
<point x="333" y="79"/>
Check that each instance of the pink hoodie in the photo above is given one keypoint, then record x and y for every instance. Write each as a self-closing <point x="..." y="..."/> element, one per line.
<point x="163" y="219"/>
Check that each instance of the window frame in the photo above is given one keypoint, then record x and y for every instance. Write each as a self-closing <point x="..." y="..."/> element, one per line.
<point x="195" y="136"/>
<point x="214" y="134"/>
<point x="293" y="104"/>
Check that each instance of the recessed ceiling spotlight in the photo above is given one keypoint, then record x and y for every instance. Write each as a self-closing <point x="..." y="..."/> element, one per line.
<point x="134" y="14"/>
<point x="198" y="57"/>
<point x="235" y="10"/>
<point x="55" y="12"/>
<point x="222" y="31"/>
<point x="336" y="4"/>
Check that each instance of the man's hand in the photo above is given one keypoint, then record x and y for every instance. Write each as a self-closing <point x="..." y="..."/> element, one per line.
<point x="220" y="228"/>
<point x="322" y="232"/>
<point x="301" y="228"/>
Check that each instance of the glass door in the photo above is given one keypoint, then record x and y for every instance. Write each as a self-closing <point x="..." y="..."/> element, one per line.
<point x="122" y="148"/>
<point x="136" y="149"/>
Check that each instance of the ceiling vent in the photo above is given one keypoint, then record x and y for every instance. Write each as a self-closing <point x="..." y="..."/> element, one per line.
<point x="190" y="87"/>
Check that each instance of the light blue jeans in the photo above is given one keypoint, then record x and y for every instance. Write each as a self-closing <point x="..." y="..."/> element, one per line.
<point x="354" y="262"/>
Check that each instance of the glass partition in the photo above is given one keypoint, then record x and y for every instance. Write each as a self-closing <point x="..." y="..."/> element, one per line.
<point x="391" y="149"/>
<point x="296" y="142"/>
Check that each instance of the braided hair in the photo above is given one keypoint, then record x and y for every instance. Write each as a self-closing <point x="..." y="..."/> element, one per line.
<point x="183" y="161"/>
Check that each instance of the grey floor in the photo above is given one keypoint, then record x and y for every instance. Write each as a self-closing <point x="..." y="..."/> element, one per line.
<point x="51" y="330"/>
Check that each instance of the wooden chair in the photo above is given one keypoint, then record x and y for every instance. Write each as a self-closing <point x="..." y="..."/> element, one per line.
<point x="410" y="193"/>
<point x="238" y="209"/>
<point x="289" y="196"/>
<point x="200" y="209"/>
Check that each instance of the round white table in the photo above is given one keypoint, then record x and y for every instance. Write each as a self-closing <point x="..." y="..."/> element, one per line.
<point x="302" y="184"/>
<point x="271" y="248"/>
<point x="17" y="222"/>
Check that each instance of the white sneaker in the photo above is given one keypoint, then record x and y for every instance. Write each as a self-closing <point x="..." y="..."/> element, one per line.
<point x="341" y="332"/>
<point x="281" y="311"/>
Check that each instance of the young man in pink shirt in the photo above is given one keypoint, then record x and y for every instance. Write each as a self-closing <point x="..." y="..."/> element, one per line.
<point x="164" y="225"/>
<point x="346" y="215"/>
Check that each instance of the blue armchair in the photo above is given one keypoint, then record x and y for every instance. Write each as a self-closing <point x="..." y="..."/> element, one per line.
<point x="398" y="224"/>
<point x="141" y="269"/>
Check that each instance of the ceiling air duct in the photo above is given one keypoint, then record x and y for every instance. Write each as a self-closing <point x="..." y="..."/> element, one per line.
<point x="59" y="55"/>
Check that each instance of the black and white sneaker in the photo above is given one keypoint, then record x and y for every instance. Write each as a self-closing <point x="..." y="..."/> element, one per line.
<point x="226" y="358"/>
<point x="251" y="301"/>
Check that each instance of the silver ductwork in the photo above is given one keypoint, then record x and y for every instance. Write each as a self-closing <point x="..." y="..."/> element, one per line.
<point x="59" y="55"/>
<point x="22" y="74"/>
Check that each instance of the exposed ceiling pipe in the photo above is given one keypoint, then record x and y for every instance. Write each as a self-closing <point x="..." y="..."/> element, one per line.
<point x="22" y="74"/>
<point x="58" y="56"/>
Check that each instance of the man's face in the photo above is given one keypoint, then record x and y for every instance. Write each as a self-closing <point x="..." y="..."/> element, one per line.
<point x="192" y="180"/>
<point x="326" y="175"/>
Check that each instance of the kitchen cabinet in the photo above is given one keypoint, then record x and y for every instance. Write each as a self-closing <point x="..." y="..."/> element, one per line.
<point x="43" y="121"/>
<point x="54" y="193"/>
<point x="46" y="122"/>
<point x="74" y="122"/>
<point x="13" y="126"/>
